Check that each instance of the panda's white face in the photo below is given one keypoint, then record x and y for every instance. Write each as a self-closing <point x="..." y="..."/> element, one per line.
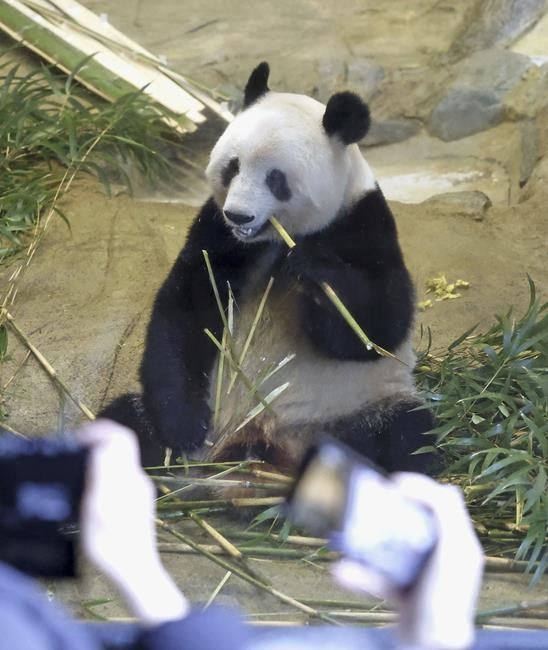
<point x="275" y="158"/>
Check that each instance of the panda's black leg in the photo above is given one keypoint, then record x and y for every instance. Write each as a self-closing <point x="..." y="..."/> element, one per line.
<point x="389" y="436"/>
<point x="128" y="410"/>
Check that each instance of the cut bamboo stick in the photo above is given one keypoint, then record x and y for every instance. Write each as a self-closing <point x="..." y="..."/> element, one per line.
<point x="50" y="370"/>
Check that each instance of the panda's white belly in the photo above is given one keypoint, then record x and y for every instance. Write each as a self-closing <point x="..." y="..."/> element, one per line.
<point x="319" y="388"/>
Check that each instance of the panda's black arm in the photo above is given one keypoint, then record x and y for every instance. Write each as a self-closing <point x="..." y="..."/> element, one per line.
<point x="383" y="307"/>
<point x="360" y="258"/>
<point x="178" y="356"/>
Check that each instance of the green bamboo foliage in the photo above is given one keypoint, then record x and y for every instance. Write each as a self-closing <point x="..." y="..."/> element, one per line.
<point x="48" y="124"/>
<point x="490" y="394"/>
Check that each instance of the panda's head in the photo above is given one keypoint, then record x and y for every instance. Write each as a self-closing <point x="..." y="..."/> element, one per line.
<point x="290" y="156"/>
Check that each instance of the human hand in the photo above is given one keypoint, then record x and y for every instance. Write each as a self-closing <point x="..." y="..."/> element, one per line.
<point x="118" y="532"/>
<point x="438" y="613"/>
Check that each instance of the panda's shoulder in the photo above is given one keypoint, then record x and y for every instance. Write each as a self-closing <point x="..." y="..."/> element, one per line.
<point x="366" y="230"/>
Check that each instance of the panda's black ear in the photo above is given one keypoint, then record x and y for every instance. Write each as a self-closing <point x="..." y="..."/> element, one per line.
<point x="257" y="84"/>
<point x="346" y="116"/>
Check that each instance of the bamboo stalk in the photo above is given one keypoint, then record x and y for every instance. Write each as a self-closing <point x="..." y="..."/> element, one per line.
<point x="274" y="476"/>
<point x="240" y="502"/>
<point x="219" y="383"/>
<point x="189" y="481"/>
<point x="502" y="564"/>
<point x="217" y="590"/>
<point x="226" y="545"/>
<point x="282" y="232"/>
<point x="50" y="370"/>
<point x="226" y="472"/>
<point x="286" y="623"/>
<point x="7" y="427"/>
<point x="222" y="541"/>
<point x="16" y="372"/>
<point x="521" y="606"/>
<point x="345" y="604"/>
<point x="295" y="540"/>
<point x="251" y="332"/>
<point x="511" y="623"/>
<point x="254" y="551"/>
<point x="230" y="463"/>
<point x="244" y="576"/>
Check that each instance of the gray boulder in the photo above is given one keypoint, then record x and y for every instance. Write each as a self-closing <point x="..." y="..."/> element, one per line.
<point x="472" y="204"/>
<point x="494" y="22"/>
<point x="476" y="99"/>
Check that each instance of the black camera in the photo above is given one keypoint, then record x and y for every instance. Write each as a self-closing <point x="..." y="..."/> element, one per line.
<point x="342" y="496"/>
<point x="41" y="487"/>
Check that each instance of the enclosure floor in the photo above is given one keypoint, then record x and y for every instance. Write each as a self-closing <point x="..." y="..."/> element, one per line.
<point x="85" y="299"/>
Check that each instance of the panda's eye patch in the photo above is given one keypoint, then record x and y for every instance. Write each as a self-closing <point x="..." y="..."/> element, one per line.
<point x="277" y="184"/>
<point x="231" y="170"/>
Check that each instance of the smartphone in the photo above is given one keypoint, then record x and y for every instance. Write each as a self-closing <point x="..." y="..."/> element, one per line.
<point x="41" y="486"/>
<point x="355" y="505"/>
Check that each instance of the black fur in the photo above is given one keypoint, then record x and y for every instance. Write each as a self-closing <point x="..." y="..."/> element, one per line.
<point x="359" y="256"/>
<point x="388" y="434"/>
<point x="128" y="409"/>
<point x="347" y="117"/>
<point x="276" y="181"/>
<point x="230" y="171"/>
<point x="257" y="84"/>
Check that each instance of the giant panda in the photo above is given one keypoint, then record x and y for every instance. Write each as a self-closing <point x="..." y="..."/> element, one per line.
<point x="290" y="156"/>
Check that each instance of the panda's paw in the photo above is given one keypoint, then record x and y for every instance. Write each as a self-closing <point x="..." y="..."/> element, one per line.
<point x="187" y="430"/>
<point x="312" y="264"/>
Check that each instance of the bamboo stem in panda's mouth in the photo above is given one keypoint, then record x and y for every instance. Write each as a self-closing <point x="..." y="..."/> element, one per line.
<point x="337" y="302"/>
<point x="282" y="232"/>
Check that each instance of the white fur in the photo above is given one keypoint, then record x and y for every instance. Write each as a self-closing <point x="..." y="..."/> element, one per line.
<point x="284" y="131"/>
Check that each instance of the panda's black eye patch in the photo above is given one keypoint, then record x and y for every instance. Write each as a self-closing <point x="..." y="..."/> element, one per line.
<point x="229" y="171"/>
<point x="277" y="184"/>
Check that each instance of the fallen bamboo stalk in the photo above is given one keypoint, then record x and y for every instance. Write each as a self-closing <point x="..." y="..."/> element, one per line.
<point x="50" y="370"/>
<point x="522" y="606"/>
<point x="273" y="476"/>
<point x="230" y="470"/>
<point x="296" y="540"/>
<point x="226" y="545"/>
<point x="503" y="564"/>
<point x="382" y="618"/>
<point x="252" y="551"/>
<point x="244" y="576"/>
<point x="509" y="623"/>
<point x="217" y="590"/>
<point x="241" y="502"/>
<point x="214" y="482"/>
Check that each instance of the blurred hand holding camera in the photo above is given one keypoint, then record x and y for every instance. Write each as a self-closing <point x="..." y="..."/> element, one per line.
<point x="438" y="612"/>
<point x="117" y="524"/>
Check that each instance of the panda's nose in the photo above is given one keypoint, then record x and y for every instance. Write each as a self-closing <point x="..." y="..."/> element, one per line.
<point x="238" y="218"/>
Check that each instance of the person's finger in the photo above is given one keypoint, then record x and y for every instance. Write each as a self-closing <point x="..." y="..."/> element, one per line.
<point x="103" y="434"/>
<point x="357" y="577"/>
